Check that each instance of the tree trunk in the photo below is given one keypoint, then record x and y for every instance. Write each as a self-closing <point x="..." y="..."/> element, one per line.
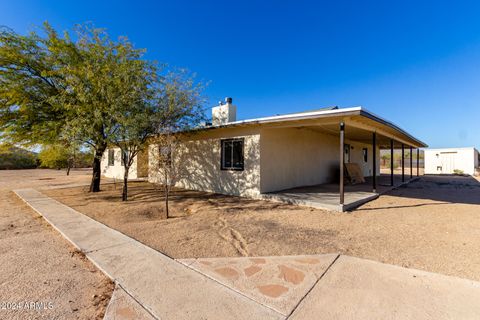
<point x="125" y="185"/>
<point x="166" y="200"/>
<point x="166" y="191"/>
<point x="69" y="165"/>
<point x="97" y="170"/>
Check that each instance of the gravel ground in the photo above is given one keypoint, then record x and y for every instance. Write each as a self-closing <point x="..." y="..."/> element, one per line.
<point x="37" y="264"/>
<point x="432" y="224"/>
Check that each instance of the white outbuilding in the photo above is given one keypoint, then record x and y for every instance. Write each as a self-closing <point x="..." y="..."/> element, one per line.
<point x="451" y="160"/>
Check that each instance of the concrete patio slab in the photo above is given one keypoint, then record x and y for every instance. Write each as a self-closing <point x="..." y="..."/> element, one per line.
<point x="327" y="196"/>
<point x="123" y="307"/>
<point x="163" y="286"/>
<point x="355" y="288"/>
<point x="277" y="282"/>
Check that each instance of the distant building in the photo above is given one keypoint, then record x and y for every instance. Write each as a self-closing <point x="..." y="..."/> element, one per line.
<point x="451" y="160"/>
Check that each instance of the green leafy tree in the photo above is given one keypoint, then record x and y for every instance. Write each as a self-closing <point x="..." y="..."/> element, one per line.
<point x="53" y="87"/>
<point x="136" y="123"/>
<point x="54" y="157"/>
<point x="65" y="155"/>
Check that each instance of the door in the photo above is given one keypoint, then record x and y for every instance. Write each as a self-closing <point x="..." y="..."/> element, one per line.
<point x="447" y="160"/>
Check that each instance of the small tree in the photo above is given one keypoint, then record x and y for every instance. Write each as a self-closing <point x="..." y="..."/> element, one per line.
<point x="135" y="125"/>
<point x="181" y="98"/>
<point x="60" y="156"/>
<point x="166" y="143"/>
<point x="54" y="157"/>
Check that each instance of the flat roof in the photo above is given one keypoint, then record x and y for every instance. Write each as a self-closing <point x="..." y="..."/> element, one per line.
<point x="321" y="113"/>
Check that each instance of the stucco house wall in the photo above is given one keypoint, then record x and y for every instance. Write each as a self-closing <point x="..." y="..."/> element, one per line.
<point x="117" y="170"/>
<point x="274" y="159"/>
<point x="196" y="163"/>
<point x="446" y="160"/>
<point x="292" y="157"/>
<point x="295" y="157"/>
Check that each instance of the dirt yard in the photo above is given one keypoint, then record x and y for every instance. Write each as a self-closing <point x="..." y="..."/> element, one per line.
<point x="433" y="224"/>
<point x="37" y="264"/>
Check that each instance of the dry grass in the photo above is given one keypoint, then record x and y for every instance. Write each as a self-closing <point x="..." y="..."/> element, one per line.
<point x="432" y="224"/>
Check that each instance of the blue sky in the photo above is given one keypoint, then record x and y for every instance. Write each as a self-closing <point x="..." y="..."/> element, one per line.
<point x="414" y="63"/>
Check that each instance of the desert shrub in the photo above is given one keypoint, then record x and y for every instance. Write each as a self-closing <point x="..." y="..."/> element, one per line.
<point x="17" y="158"/>
<point x="60" y="157"/>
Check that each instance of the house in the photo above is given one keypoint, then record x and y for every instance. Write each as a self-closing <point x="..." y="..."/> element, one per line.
<point x="112" y="165"/>
<point x="451" y="160"/>
<point x="298" y="157"/>
<point x="279" y="156"/>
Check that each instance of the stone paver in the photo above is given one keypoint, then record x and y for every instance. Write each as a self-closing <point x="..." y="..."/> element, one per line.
<point x="277" y="282"/>
<point x="355" y="288"/>
<point x="166" y="288"/>
<point x="123" y="307"/>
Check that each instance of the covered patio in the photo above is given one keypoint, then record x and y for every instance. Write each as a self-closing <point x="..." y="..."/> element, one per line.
<point x="326" y="196"/>
<point x="374" y="134"/>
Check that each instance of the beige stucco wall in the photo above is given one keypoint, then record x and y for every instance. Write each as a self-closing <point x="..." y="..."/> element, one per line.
<point x="294" y="157"/>
<point x="465" y="159"/>
<point x="117" y="170"/>
<point x="196" y="164"/>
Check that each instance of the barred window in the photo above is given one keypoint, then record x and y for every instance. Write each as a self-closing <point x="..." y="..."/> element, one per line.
<point x="232" y="154"/>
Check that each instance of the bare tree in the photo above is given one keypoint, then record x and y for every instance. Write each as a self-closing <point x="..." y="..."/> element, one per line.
<point x="182" y="99"/>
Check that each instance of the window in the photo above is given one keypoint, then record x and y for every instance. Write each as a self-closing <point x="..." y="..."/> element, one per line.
<point x="111" y="157"/>
<point x="365" y="154"/>
<point x="165" y="153"/>
<point x="232" y="154"/>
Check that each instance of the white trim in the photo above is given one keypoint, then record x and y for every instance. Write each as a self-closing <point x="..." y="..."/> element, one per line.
<point x="318" y="114"/>
<point x="293" y="116"/>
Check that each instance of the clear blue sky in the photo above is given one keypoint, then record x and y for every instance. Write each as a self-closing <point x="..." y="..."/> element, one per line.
<point x="416" y="63"/>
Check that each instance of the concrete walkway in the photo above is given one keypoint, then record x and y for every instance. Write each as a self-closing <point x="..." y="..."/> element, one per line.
<point x="163" y="286"/>
<point x="151" y="285"/>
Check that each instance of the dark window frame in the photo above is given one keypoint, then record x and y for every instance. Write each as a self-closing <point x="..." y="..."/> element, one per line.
<point x="240" y="167"/>
<point x="365" y="154"/>
<point x="111" y="157"/>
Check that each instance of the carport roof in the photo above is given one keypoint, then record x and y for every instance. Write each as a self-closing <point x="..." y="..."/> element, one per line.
<point x="368" y="119"/>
